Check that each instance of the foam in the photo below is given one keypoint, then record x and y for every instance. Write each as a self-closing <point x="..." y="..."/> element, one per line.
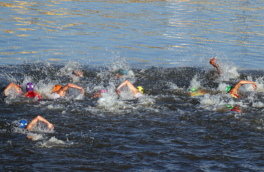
<point x="54" y="142"/>
<point x="257" y="104"/>
<point x="195" y="83"/>
<point x="35" y="137"/>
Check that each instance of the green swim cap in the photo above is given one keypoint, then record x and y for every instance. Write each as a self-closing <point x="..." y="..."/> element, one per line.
<point x="229" y="106"/>
<point x="192" y="90"/>
<point x="228" y="88"/>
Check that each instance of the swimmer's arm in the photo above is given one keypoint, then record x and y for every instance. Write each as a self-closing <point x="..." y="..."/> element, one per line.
<point x="212" y="62"/>
<point x="12" y="85"/>
<point x="129" y="85"/>
<point x="126" y="82"/>
<point x="39" y="118"/>
<point x="237" y="86"/>
<point x="38" y="94"/>
<point x="25" y="94"/>
<point x="72" y="86"/>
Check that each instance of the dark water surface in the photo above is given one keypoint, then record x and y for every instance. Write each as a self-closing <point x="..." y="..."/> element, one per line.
<point x="167" y="130"/>
<point x="165" y="47"/>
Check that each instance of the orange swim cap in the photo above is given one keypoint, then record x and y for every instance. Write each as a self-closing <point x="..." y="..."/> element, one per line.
<point x="56" y="88"/>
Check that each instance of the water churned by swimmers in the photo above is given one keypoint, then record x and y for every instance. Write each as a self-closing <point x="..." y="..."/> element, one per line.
<point x="118" y="84"/>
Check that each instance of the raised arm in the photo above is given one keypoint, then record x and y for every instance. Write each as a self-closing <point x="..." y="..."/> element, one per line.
<point x="12" y="85"/>
<point x="72" y="86"/>
<point x="237" y="86"/>
<point x="212" y="62"/>
<point x="39" y="118"/>
<point x="129" y="85"/>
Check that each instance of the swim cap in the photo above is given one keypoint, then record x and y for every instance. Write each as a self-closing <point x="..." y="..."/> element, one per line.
<point x="228" y="88"/>
<point x="193" y="89"/>
<point x="102" y="91"/>
<point x="30" y="87"/>
<point x="22" y="123"/>
<point x="140" y="89"/>
<point x="229" y="106"/>
<point x="123" y="72"/>
<point x="56" y="88"/>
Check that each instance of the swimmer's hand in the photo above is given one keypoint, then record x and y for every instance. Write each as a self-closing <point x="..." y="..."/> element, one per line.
<point x="50" y="126"/>
<point x="82" y="90"/>
<point x="212" y="61"/>
<point x="254" y="86"/>
<point x="118" y="92"/>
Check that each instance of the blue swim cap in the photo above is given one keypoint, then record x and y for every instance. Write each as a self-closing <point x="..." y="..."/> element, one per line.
<point x="123" y="72"/>
<point x="22" y="123"/>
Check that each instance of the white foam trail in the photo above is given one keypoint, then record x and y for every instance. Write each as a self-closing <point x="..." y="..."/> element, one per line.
<point x="35" y="137"/>
<point x="257" y="104"/>
<point x="208" y="99"/>
<point x="173" y="86"/>
<point x="54" y="142"/>
<point x="194" y="83"/>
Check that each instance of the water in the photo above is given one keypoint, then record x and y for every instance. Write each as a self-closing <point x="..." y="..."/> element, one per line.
<point x="165" y="46"/>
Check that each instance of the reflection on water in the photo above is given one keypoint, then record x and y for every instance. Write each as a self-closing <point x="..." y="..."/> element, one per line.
<point x="156" y="32"/>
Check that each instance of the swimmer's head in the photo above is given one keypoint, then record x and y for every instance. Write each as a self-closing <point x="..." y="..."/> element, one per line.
<point x="192" y="90"/>
<point x="229" y="106"/>
<point x="30" y="87"/>
<point x="122" y="72"/>
<point x="22" y="123"/>
<point x="56" y="88"/>
<point x="78" y="73"/>
<point x="102" y="91"/>
<point x="228" y="89"/>
<point x="140" y="89"/>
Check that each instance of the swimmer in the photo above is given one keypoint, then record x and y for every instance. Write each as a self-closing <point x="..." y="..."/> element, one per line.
<point x="233" y="90"/>
<point x="195" y="92"/>
<point x="121" y="73"/>
<point x="30" y="90"/>
<point x="212" y="62"/>
<point x="138" y="92"/>
<point x="59" y="91"/>
<point x="98" y="94"/>
<point x="77" y="73"/>
<point x="15" y="87"/>
<point x="23" y="124"/>
<point x="235" y="108"/>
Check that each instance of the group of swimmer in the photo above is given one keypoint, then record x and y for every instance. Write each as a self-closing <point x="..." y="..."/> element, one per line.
<point x="59" y="91"/>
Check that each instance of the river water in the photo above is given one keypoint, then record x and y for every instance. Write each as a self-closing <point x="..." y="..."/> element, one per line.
<point x="165" y="46"/>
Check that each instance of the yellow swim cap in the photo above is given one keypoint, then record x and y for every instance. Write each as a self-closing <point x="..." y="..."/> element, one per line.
<point x="140" y="89"/>
<point x="56" y="88"/>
